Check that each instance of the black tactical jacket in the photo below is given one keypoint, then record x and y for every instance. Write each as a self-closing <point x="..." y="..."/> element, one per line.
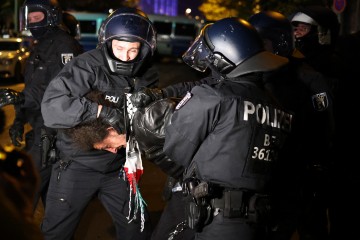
<point x="228" y="133"/>
<point x="48" y="56"/>
<point x="64" y="104"/>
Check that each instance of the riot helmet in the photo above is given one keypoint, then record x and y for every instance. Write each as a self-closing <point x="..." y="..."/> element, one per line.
<point x="233" y="47"/>
<point x="275" y="29"/>
<point x="323" y="23"/>
<point x="71" y="24"/>
<point x="38" y="16"/>
<point x="129" y="25"/>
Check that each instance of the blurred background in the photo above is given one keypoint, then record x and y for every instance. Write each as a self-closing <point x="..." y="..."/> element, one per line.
<point x="205" y="10"/>
<point x="177" y="22"/>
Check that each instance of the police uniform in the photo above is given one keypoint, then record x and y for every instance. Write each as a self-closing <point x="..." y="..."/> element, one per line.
<point x="309" y="98"/>
<point x="228" y="135"/>
<point x="318" y="47"/>
<point x="230" y="142"/>
<point x="48" y="56"/>
<point x="148" y="127"/>
<point x="80" y="175"/>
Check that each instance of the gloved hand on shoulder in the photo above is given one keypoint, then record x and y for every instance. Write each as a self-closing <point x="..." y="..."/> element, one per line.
<point x="146" y="96"/>
<point x="10" y="96"/>
<point x="156" y="155"/>
<point x="16" y="132"/>
<point x="149" y="126"/>
<point x="115" y="117"/>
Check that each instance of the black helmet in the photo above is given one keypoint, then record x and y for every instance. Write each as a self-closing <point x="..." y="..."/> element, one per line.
<point x="50" y="8"/>
<point x="276" y="28"/>
<point x="131" y="25"/>
<point x="324" y="25"/>
<point x="71" y="24"/>
<point x="233" y="47"/>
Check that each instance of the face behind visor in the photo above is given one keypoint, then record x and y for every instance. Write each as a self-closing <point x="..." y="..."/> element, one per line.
<point x="129" y="25"/>
<point x="323" y="21"/>
<point x="52" y="14"/>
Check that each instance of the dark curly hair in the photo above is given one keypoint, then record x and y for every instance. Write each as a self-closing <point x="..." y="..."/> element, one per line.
<point x="88" y="133"/>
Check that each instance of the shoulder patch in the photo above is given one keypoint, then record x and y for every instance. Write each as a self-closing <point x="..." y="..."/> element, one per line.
<point x="320" y="101"/>
<point x="183" y="101"/>
<point x="66" y="57"/>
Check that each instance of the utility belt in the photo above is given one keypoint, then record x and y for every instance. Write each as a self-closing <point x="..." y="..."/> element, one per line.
<point x="206" y="200"/>
<point x="253" y="207"/>
<point x="231" y="203"/>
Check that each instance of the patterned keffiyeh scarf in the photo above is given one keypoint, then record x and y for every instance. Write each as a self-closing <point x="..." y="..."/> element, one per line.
<point x="133" y="170"/>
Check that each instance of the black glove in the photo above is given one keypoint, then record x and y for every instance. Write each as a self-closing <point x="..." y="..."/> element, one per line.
<point x="145" y="96"/>
<point x="156" y="155"/>
<point x="10" y="96"/>
<point x="16" y="132"/>
<point x="149" y="130"/>
<point x="115" y="117"/>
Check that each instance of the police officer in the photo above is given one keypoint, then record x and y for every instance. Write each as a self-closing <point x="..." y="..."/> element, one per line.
<point x="71" y="24"/>
<point x="120" y="65"/>
<point x="316" y="31"/>
<point x="172" y="223"/>
<point x="228" y="135"/>
<point x="304" y="91"/>
<point x="52" y="49"/>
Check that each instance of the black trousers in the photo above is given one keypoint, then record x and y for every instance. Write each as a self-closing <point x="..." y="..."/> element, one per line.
<point x="231" y="229"/>
<point x="69" y="194"/>
<point x="33" y="139"/>
<point x="172" y="215"/>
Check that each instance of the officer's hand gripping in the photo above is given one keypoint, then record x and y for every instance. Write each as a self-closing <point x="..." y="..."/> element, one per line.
<point x="115" y="117"/>
<point x="146" y="96"/>
<point x="156" y="155"/>
<point x="16" y="132"/>
<point x="10" y="96"/>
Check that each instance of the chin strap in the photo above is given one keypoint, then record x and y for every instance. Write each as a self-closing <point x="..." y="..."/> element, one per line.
<point x="215" y="73"/>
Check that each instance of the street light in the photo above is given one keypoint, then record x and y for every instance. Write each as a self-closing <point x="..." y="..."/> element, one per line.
<point x="187" y="12"/>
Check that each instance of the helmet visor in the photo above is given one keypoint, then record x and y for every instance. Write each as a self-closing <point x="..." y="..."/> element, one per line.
<point x="33" y="16"/>
<point x="198" y="55"/>
<point x="129" y="27"/>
